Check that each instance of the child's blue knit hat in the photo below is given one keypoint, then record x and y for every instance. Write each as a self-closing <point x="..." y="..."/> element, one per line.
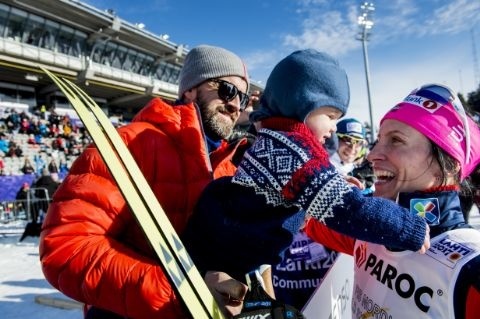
<point x="302" y="82"/>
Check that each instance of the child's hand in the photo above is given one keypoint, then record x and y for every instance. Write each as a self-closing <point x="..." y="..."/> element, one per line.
<point x="426" y="243"/>
<point x="355" y="182"/>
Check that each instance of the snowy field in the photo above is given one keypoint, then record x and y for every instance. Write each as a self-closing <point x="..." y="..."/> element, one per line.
<point x="21" y="279"/>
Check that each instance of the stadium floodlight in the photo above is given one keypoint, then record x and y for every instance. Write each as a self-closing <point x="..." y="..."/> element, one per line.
<point x="365" y="22"/>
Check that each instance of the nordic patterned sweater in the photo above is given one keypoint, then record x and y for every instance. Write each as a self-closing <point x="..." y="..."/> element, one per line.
<point x="285" y="175"/>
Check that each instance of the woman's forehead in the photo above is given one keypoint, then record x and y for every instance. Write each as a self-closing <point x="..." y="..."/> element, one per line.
<point x="389" y="126"/>
<point x="410" y="134"/>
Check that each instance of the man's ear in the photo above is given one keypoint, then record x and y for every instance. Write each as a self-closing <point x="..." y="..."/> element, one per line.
<point x="190" y="95"/>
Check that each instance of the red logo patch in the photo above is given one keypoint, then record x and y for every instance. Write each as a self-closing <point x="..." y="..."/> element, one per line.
<point x="430" y="105"/>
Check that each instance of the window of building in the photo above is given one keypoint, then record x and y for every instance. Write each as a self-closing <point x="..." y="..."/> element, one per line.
<point x="4" y="9"/>
<point x="108" y="56"/>
<point x="14" y="26"/>
<point x="49" y="35"/>
<point x="130" y="60"/>
<point x="33" y="30"/>
<point x="119" y="58"/>
<point x="78" y="43"/>
<point x="146" y="65"/>
<point x="137" y="62"/>
<point x="167" y="72"/>
<point x="64" y="40"/>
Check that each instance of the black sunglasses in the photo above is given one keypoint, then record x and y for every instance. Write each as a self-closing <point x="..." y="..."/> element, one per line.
<point x="228" y="91"/>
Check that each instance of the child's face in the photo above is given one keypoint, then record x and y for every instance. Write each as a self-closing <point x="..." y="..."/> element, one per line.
<point x="323" y="122"/>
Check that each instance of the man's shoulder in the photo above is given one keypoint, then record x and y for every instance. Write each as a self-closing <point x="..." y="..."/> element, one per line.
<point x="161" y="111"/>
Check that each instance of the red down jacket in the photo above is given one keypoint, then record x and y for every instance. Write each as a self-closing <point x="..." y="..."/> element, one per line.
<point x="91" y="247"/>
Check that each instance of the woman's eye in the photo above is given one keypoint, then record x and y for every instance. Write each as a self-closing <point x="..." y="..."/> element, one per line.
<point x="396" y="140"/>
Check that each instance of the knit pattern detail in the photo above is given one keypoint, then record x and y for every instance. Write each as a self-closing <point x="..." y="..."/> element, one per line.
<point x="287" y="169"/>
<point x="324" y="194"/>
<point x="290" y="169"/>
<point x="268" y="165"/>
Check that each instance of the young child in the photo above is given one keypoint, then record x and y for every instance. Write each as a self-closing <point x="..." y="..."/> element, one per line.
<point x="285" y="177"/>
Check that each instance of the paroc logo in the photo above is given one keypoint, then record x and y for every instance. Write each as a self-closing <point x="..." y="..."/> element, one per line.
<point x="402" y="283"/>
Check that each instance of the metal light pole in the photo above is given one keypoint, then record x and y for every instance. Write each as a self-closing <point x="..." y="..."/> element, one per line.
<point x="365" y="21"/>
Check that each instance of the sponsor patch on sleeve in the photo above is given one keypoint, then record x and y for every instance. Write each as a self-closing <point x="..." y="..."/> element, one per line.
<point x="427" y="208"/>
<point x="448" y="251"/>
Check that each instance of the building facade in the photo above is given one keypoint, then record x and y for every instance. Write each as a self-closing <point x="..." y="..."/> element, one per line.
<point x="119" y="64"/>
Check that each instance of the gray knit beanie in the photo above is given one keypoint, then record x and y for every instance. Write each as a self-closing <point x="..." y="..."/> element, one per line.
<point x="302" y="82"/>
<point x="208" y="62"/>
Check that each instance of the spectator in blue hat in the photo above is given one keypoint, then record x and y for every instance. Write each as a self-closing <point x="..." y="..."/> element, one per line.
<point x="351" y="142"/>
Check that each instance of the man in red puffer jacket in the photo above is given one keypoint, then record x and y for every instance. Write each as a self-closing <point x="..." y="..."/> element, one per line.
<point x="91" y="247"/>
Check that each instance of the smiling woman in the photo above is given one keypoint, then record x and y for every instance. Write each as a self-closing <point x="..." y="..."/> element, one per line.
<point x="422" y="159"/>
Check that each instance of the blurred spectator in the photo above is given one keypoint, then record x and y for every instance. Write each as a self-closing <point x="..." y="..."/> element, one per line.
<point x="4" y="144"/>
<point x="43" y="112"/>
<point x="18" y="151"/>
<point x="39" y="164"/>
<point x="45" y="187"/>
<point x="43" y="129"/>
<point x="53" y="167"/>
<point x="2" y="166"/>
<point x="31" y="139"/>
<point x="3" y="127"/>
<point x="24" y="126"/>
<point x="24" y="200"/>
<point x="54" y="131"/>
<point x="53" y="118"/>
<point x="11" y="151"/>
<point x="59" y="144"/>
<point x="38" y="139"/>
<point x="22" y="193"/>
<point x="67" y="129"/>
<point x="47" y="181"/>
<point x="351" y="142"/>
<point x="28" y="167"/>
<point x="63" y="168"/>
<point x="13" y="121"/>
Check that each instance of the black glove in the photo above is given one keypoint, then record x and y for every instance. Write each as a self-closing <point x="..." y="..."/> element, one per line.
<point x="258" y="304"/>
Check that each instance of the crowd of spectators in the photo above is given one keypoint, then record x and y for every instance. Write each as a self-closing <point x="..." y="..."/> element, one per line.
<point x="40" y="140"/>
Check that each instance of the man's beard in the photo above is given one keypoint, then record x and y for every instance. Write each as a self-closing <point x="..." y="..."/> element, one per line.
<point x="215" y="125"/>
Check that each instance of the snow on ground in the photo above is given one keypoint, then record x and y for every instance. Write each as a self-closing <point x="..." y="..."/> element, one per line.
<point x="21" y="278"/>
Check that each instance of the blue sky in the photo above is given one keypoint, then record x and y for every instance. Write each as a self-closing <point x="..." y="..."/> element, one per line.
<point x="413" y="42"/>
